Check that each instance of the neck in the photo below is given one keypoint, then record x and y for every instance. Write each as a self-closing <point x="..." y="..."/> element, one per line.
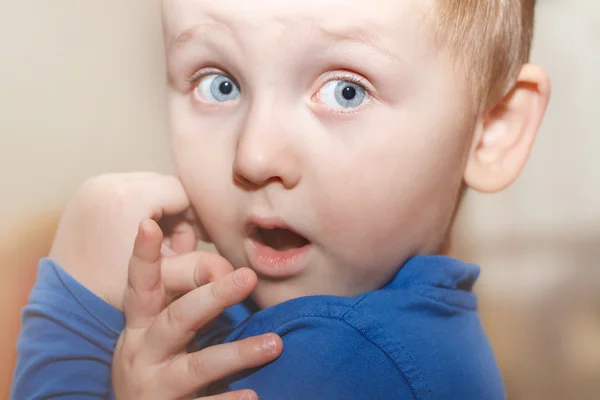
<point x="447" y="247"/>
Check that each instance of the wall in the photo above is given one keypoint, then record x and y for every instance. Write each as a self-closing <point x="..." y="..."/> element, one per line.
<point x="81" y="93"/>
<point x="81" y="88"/>
<point x="539" y="242"/>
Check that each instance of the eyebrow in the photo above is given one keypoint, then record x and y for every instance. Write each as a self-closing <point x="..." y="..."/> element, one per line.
<point x="353" y="34"/>
<point x="193" y="34"/>
<point x="356" y="34"/>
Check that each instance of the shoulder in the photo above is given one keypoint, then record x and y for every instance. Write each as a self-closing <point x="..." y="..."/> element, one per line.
<point x="324" y="357"/>
<point x="422" y="328"/>
<point x="426" y="320"/>
<point x="416" y="343"/>
<point x="435" y="337"/>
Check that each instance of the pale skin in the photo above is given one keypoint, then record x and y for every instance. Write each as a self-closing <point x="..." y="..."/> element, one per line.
<point x="150" y="360"/>
<point x="167" y="293"/>
<point x="368" y="186"/>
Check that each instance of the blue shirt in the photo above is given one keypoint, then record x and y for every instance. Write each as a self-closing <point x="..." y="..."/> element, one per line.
<point x="419" y="337"/>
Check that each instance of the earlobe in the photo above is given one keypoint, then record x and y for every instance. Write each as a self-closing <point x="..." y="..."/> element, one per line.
<point x="506" y="133"/>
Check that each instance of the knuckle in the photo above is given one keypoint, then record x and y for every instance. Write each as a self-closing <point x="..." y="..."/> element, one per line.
<point x="94" y="192"/>
<point x="119" y="192"/>
<point x="206" y="269"/>
<point x="216" y="290"/>
<point x="123" y="194"/>
<point x="133" y="299"/>
<point x="238" y="352"/>
<point x="201" y="276"/>
<point x="139" y="386"/>
<point x="128" y="359"/>
<point x="198" y="368"/>
<point x="220" y="264"/>
<point x="112" y="188"/>
<point x="175" y="315"/>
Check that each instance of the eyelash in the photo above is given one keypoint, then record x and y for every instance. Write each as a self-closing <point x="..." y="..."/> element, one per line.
<point x="201" y="73"/>
<point x="352" y="78"/>
<point x="349" y="77"/>
<point x="338" y="75"/>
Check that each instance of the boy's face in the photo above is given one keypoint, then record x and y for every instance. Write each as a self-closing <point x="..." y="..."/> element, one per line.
<point x="336" y="120"/>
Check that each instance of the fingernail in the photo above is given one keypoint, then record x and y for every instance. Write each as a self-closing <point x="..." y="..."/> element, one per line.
<point x="247" y="396"/>
<point x="240" y="278"/>
<point x="269" y="344"/>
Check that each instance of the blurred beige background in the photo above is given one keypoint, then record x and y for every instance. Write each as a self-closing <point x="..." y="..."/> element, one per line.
<point x="81" y="93"/>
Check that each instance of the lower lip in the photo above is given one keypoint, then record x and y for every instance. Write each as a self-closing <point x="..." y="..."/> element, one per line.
<point x="277" y="264"/>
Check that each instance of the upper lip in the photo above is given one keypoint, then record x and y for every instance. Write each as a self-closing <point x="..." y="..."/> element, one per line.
<point x="266" y="223"/>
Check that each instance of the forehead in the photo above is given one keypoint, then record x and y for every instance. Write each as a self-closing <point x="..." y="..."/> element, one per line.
<point x="380" y="18"/>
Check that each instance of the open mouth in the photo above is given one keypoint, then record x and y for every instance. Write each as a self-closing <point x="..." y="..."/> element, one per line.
<point x="276" y="251"/>
<point x="279" y="239"/>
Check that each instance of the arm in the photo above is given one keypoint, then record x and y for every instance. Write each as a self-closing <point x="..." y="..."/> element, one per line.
<point x="327" y="359"/>
<point x="72" y="323"/>
<point x="66" y="344"/>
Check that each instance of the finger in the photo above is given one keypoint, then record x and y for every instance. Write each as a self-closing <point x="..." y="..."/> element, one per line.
<point x="197" y="370"/>
<point x="176" y="326"/>
<point x="183" y="237"/>
<point x="166" y="196"/>
<point x="183" y="273"/>
<point x="181" y="231"/>
<point x="166" y="250"/>
<point x="239" y="395"/>
<point x="144" y="295"/>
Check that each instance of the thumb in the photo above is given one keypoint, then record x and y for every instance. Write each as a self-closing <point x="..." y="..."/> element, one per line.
<point x="145" y="294"/>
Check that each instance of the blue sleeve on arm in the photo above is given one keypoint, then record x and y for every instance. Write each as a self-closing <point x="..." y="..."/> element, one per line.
<point x="67" y="340"/>
<point x="327" y="359"/>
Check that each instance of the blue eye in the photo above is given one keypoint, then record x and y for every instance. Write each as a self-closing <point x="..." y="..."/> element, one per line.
<point x="217" y="88"/>
<point x="341" y="94"/>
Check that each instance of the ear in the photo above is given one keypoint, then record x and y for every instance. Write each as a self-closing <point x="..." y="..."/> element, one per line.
<point x="506" y="132"/>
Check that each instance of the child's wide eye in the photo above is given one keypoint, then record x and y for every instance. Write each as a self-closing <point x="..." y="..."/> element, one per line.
<point x="217" y="88"/>
<point x="341" y="94"/>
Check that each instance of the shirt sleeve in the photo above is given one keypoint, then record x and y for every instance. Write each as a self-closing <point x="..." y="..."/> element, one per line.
<point x="326" y="359"/>
<point x="67" y="339"/>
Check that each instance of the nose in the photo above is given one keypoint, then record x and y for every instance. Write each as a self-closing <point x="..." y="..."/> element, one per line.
<point x="266" y="152"/>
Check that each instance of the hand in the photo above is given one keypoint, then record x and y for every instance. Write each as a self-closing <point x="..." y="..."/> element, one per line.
<point x="96" y="233"/>
<point x="150" y="360"/>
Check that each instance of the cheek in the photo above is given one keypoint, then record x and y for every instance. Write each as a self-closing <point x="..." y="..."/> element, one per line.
<point x="203" y="160"/>
<point x="203" y="176"/>
<point x="396" y="198"/>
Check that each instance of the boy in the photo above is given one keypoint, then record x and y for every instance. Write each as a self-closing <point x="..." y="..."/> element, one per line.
<point x="326" y="145"/>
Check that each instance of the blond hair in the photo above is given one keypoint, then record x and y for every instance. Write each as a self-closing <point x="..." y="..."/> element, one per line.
<point x="490" y="41"/>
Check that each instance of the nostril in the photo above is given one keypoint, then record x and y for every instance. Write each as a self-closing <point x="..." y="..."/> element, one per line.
<point x="250" y="182"/>
<point x="243" y="181"/>
<point x="260" y="171"/>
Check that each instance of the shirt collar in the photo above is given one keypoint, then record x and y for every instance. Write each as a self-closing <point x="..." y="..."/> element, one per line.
<point x="436" y="271"/>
